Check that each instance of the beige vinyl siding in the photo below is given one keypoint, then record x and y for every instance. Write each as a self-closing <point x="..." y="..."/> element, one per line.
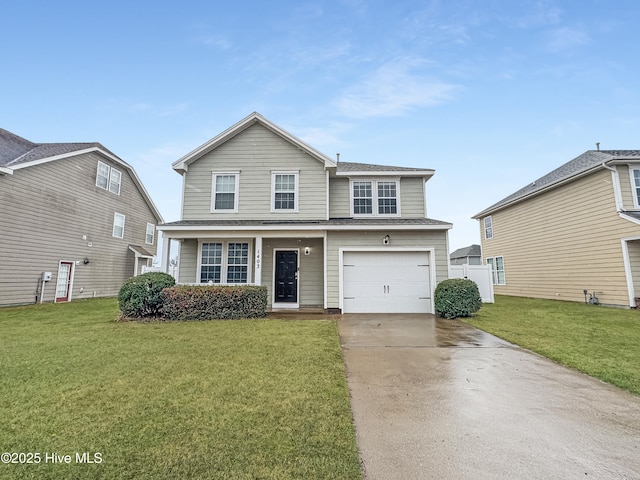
<point x="339" y="198"/>
<point x="187" y="272"/>
<point x="311" y="286"/>
<point x="627" y="189"/>
<point x="336" y="240"/>
<point x="47" y="209"/>
<point x="566" y="240"/>
<point x="412" y="197"/>
<point x="255" y="153"/>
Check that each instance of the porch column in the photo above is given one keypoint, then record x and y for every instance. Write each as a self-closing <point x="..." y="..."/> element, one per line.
<point x="166" y="254"/>
<point x="257" y="271"/>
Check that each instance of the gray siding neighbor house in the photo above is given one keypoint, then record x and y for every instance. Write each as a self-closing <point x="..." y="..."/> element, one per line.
<point x="262" y="207"/>
<point x="470" y="255"/>
<point x="75" y="221"/>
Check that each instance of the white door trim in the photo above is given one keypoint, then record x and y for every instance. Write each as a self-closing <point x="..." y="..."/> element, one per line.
<point x="279" y="305"/>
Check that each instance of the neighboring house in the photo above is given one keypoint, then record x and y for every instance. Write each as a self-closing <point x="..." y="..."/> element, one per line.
<point x="74" y="210"/>
<point x="572" y="234"/>
<point x="262" y="207"/>
<point x="470" y="255"/>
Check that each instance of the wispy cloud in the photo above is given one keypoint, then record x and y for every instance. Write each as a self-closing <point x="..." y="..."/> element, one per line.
<point x="215" y="41"/>
<point x="394" y="89"/>
<point x="566" y="38"/>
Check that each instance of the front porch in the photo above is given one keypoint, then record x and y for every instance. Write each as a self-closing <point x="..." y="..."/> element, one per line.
<point x="292" y="267"/>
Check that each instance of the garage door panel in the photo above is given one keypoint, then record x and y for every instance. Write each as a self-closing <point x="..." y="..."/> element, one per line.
<point x="386" y="282"/>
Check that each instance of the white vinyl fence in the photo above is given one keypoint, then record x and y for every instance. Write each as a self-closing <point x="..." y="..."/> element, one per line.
<point x="481" y="274"/>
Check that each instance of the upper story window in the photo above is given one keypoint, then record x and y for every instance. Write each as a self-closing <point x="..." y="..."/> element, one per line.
<point x="108" y="178"/>
<point x="284" y="187"/>
<point x="225" y="192"/>
<point x="118" y="225"/>
<point x="374" y="197"/>
<point x="151" y="233"/>
<point x="635" y="180"/>
<point x="488" y="228"/>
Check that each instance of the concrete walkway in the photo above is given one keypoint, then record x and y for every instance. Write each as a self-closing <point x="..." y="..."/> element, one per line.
<point x="437" y="399"/>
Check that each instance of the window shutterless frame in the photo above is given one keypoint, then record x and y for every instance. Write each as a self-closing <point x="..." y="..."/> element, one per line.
<point x="284" y="191"/>
<point x="108" y="178"/>
<point x="372" y="197"/>
<point x="224" y="192"/>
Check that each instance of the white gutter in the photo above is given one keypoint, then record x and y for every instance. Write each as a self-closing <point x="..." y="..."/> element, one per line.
<point x="615" y="179"/>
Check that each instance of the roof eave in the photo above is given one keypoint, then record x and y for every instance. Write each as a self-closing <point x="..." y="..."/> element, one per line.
<point x="6" y="171"/>
<point x="496" y="208"/>
<point x="426" y="174"/>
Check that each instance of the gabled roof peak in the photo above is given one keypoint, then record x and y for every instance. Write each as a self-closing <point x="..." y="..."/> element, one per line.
<point x="182" y="164"/>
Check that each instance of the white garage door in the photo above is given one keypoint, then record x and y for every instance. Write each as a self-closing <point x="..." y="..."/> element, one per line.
<point x="386" y="282"/>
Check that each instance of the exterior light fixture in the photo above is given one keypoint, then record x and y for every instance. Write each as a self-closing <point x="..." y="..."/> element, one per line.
<point x="307" y="250"/>
<point x="386" y="240"/>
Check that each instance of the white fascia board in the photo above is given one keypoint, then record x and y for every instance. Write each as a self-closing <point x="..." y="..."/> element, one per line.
<point x="5" y="171"/>
<point x="627" y="217"/>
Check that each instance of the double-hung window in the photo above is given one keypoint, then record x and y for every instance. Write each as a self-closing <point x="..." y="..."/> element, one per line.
<point x="108" y="178"/>
<point x="497" y="270"/>
<point x="488" y="228"/>
<point x="284" y="186"/>
<point x="635" y="184"/>
<point x="151" y="231"/>
<point x="374" y="197"/>
<point x="224" y="262"/>
<point x="118" y="225"/>
<point x="225" y="192"/>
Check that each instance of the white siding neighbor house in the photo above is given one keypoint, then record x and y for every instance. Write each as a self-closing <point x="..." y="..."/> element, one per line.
<point x="75" y="221"/>
<point x="262" y="207"/>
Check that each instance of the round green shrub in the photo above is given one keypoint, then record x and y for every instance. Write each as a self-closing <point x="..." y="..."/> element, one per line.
<point x="141" y="296"/>
<point x="457" y="297"/>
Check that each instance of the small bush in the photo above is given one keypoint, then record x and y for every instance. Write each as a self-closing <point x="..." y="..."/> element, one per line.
<point x="457" y="297"/>
<point x="214" y="302"/>
<point x="141" y="296"/>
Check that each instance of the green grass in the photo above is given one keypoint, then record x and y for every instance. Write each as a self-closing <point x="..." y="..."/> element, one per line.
<point x="599" y="341"/>
<point x="248" y="399"/>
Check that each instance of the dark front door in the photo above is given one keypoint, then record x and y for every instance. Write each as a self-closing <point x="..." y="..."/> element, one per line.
<point x="286" y="284"/>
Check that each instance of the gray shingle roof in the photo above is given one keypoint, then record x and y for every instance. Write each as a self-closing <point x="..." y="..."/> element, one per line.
<point x="470" y="251"/>
<point x="368" y="167"/>
<point x="15" y="150"/>
<point x="589" y="160"/>
<point x="364" y="222"/>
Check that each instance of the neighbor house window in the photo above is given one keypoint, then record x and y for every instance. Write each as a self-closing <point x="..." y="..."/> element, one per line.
<point x="224" y="262"/>
<point x="635" y="178"/>
<point x="108" y="178"/>
<point x="118" y="225"/>
<point x="497" y="270"/>
<point x="374" y="197"/>
<point x="285" y="191"/>
<point x="225" y="192"/>
<point x="488" y="228"/>
<point x="151" y="231"/>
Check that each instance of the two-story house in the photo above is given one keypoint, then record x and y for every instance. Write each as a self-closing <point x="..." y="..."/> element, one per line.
<point x="573" y="234"/>
<point x="259" y="206"/>
<point x="75" y="221"/>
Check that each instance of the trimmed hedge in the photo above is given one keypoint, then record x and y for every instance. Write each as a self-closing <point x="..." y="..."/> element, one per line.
<point x="141" y="296"/>
<point x="457" y="297"/>
<point x="214" y="302"/>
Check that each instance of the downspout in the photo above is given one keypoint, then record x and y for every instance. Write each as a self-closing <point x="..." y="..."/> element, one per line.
<point x="616" y="186"/>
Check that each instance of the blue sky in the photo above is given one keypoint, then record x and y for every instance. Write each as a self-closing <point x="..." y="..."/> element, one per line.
<point x="492" y="94"/>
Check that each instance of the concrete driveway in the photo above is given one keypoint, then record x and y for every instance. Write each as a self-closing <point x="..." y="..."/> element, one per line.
<point x="437" y="399"/>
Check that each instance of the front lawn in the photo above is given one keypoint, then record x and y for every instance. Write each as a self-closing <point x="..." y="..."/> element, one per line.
<point x="600" y="341"/>
<point x="241" y="399"/>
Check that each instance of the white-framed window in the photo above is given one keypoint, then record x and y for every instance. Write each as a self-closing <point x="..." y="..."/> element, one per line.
<point x="488" y="228"/>
<point x="635" y="185"/>
<point x="151" y="233"/>
<point x="284" y="188"/>
<point x="375" y="197"/>
<point x="118" y="225"/>
<point x="108" y="178"/>
<point x="225" y="192"/>
<point x="224" y="262"/>
<point x="497" y="270"/>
